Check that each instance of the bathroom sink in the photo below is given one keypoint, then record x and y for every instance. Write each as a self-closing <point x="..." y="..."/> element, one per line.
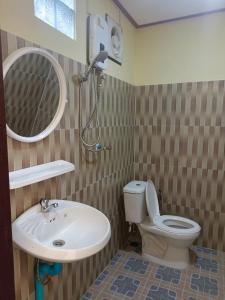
<point x="69" y="232"/>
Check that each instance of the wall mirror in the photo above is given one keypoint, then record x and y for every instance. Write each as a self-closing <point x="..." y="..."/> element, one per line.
<point x="35" y="94"/>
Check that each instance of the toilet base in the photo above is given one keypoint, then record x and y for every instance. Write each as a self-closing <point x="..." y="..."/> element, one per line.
<point x="166" y="251"/>
<point x="167" y="262"/>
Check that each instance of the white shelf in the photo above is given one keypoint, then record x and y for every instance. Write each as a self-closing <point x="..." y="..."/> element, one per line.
<point x="39" y="173"/>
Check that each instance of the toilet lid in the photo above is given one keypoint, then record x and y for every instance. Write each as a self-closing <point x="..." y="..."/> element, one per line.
<point x="152" y="201"/>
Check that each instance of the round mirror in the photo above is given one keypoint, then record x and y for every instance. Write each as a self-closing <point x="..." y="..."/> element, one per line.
<point x="35" y="94"/>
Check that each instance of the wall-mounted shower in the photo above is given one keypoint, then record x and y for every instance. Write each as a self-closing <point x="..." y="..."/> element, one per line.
<point x="97" y="54"/>
<point x="96" y="75"/>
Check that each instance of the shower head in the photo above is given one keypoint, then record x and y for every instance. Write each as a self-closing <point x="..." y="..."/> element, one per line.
<point x="101" y="57"/>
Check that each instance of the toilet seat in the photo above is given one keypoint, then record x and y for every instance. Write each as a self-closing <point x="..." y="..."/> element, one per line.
<point x="169" y="225"/>
<point x="176" y="225"/>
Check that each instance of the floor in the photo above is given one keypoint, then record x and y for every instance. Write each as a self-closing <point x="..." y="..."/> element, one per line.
<point x="129" y="276"/>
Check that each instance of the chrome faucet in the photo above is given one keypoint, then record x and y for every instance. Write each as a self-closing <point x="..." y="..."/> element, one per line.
<point x="45" y="207"/>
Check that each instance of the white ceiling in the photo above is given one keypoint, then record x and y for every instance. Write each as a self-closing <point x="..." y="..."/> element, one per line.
<point x="151" y="11"/>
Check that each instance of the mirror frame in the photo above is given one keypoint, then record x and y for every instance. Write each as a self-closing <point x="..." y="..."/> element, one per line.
<point x="9" y="61"/>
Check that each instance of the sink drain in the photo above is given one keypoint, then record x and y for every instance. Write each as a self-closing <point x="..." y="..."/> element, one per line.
<point x="58" y="243"/>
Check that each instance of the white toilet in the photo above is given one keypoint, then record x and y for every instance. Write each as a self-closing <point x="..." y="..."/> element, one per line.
<point x="165" y="239"/>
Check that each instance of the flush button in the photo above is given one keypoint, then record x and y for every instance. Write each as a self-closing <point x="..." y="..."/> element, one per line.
<point x="137" y="184"/>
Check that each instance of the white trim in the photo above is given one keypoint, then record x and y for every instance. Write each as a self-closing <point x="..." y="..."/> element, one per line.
<point x="9" y="61"/>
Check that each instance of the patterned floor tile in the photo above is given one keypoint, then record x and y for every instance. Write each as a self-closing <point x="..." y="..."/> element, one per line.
<point x="131" y="277"/>
<point x="207" y="264"/>
<point x="117" y="259"/>
<point x="125" y="285"/>
<point x="187" y="295"/>
<point x="136" y="265"/>
<point x="204" y="285"/>
<point x="108" y="296"/>
<point x="168" y="274"/>
<point x="101" y="278"/>
<point x="206" y="251"/>
<point x="159" y="293"/>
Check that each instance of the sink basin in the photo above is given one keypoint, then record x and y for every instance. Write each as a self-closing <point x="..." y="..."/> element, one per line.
<point x="69" y="232"/>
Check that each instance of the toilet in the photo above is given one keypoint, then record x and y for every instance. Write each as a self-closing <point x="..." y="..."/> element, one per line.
<point x="166" y="239"/>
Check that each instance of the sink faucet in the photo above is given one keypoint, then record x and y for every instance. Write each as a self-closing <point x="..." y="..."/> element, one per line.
<point x="45" y="207"/>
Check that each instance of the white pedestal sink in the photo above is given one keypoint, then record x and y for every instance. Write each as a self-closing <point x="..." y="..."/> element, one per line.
<point x="69" y="232"/>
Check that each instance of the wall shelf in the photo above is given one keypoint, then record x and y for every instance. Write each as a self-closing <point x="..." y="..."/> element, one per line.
<point x="27" y="176"/>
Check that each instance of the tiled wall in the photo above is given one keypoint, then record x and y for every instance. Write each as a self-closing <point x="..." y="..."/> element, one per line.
<point x="178" y="142"/>
<point x="98" y="183"/>
<point x="180" y="145"/>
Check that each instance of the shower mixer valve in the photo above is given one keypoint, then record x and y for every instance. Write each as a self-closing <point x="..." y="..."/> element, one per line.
<point x="101" y="78"/>
<point x="100" y="147"/>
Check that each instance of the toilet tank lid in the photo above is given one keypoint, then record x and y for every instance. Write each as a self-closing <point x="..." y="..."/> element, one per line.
<point x="135" y="187"/>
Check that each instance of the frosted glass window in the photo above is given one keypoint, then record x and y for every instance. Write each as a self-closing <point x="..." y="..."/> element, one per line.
<point x="59" y="14"/>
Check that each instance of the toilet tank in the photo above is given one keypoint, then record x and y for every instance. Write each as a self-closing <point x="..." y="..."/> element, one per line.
<point x="134" y="201"/>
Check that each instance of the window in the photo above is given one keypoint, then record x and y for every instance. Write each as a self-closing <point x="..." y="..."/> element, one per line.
<point x="59" y="14"/>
